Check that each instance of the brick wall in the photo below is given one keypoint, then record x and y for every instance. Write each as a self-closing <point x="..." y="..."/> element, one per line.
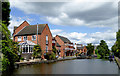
<point x="42" y="39"/>
<point x="61" y="43"/>
<point x="25" y="23"/>
<point x="29" y="37"/>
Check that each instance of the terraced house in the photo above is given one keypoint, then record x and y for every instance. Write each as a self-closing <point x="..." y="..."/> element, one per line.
<point x="29" y="35"/>
<point x="66" y="48"/>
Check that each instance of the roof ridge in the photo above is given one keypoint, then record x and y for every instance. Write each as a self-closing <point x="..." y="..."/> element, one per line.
<point x="38" y="24"/>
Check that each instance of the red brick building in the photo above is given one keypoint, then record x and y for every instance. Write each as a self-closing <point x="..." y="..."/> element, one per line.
<point x="80" y="48"/>
<point x="56" y="45"/>
<point x="67" y="48"/>
<point x="29" y="35"/>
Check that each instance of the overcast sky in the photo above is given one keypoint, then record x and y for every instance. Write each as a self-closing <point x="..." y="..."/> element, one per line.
<point x="80" y="21"/>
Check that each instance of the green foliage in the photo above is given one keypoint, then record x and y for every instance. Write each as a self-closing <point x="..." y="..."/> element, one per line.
<point x="37" y="51"/>
<point x="116" y="47"/>
<point x="9" y="54"/>
<point x="90" y="49"/>
<point x="50" y="56"/>
<point x="5" y="64"/>
<point x="96" y="51"/>
<point x="103" y="49"/>
<point x="6" y="13"/>
<point x="54" y="49"/>
<point x="21" y="58"/>
<point x="9" y="48"/>
<point x="118" y="39"/>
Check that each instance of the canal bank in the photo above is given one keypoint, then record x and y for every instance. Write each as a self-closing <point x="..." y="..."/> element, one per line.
<point x="38" y="61"/>
<point x="117" y="61"/>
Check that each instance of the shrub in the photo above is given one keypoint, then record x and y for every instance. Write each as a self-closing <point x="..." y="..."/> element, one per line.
<point x="50" y="56"/>
<point x="37" y="51"/>
<point x="21" y="58"/>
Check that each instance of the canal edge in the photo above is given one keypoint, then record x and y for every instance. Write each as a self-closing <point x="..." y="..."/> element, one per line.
<point x="117" y="61"/>
<point x="39" y="62"/>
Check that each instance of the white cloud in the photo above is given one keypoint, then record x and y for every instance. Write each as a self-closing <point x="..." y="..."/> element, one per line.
<point x="16" y="21"/>
<point x="56" y="31"/>
<point x="63" y="19"/>
<point x="93" y="13"/>
<point x="78" y="13"/>
<point x="84" y="38"/>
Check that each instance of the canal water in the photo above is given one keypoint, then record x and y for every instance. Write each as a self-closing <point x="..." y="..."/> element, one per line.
<point x="77" y="66"/>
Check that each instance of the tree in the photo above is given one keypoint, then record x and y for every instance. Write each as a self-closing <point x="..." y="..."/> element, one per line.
<point x="37" y="51"/>
<point x="9" y="50"/>
<point x="8" y="46"/>
<point x="103" y="49"/>
<point x="90" y="49"/>
<point x="118" y="43"/>
<point x="54" y="49"/>
<point x="116" y="47"/>
<point x="6" y="13"/>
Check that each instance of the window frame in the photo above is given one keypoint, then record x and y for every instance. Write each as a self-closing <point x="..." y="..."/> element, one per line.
<point x="19" y="39"/>
<point x="24" y="38"/>
<point x="33" y="38"/>
<point x="46" y="39"/>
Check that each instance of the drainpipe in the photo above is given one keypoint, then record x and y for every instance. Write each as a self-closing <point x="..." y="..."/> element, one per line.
<point x="37" y="33"/>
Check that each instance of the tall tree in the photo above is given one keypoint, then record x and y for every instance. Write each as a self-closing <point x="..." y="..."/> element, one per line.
<point x="103" y="49"/>
<point x="6" y="13"/>
<point x="8" y="47"/>
<point x="90" y="49"/>
<point x="116" y="47"/>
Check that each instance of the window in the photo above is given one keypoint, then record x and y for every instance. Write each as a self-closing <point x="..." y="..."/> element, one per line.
<point x="19" y="38"/>
<point x="25" y="38"/>
<point x="46" y="39"/>
<point x="34" y="37"/>
<point x="46" y="48"/>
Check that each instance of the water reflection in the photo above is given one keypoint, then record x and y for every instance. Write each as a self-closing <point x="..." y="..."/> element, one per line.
<point x="78" y="66"/>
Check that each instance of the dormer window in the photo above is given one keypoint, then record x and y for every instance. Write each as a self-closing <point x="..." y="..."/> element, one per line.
<point x="33" y="37"/>
<point x="25" y="38"/>
<point x="19" y="38"/>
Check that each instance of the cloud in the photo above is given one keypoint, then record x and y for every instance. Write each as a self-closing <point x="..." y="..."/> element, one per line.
<point x="56" y="31"/>
<point x="16" y="21"/>
<point x="84" y="38"/>
<point x="87" y="13"/>
<point x="63" y="19"/>
<point x="75" y="13"/>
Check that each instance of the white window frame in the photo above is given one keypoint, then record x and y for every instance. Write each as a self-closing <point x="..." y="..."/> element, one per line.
<point x="19" y="38"/>
<point x="24" y="38"/>
<point x="46" y="48"/>
<point x="33" y="37"/>
<point x="46" y="39"/>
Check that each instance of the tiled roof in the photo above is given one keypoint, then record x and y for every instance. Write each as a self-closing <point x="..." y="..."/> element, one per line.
<point x="64" y="39"/>
<point x="31" y="30"/>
